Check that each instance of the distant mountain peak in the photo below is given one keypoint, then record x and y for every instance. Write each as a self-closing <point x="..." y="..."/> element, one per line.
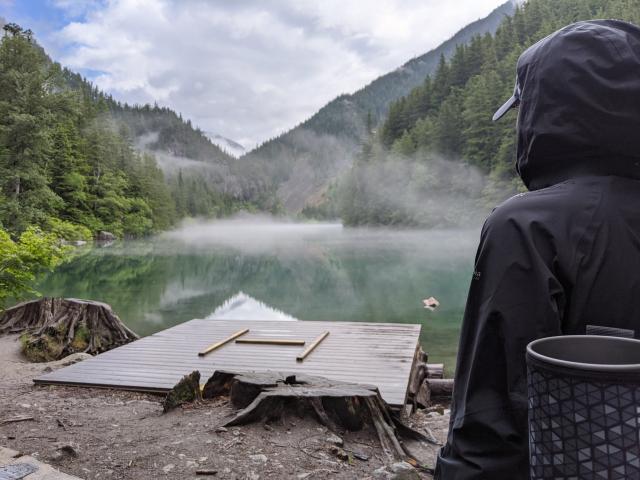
<point x="229" y="146"/>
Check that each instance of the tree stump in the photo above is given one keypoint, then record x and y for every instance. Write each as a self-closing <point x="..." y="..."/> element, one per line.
<point x="339" y="406"/>
<point x="185" y="391"/>
<point x="53" y="328"/>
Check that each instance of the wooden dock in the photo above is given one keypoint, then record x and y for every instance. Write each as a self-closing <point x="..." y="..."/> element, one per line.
<point x="378" y="354"/>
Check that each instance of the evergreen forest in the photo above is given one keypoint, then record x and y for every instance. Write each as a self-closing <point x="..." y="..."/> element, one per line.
<point x="438" y="160"/>
<point x="68" y="162"/>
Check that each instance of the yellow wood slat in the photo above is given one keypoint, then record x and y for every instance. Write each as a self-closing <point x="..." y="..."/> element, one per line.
<point x="270" y="341"/>
<point x="312" y="347"/>
<point x="222" y="342"/>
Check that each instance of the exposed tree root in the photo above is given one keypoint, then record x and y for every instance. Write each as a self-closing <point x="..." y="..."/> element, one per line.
<point x="53" y="328"/>
<point x="339" y="406"/>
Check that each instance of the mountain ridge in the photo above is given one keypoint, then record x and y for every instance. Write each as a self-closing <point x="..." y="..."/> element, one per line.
<point x="303" y="161"/>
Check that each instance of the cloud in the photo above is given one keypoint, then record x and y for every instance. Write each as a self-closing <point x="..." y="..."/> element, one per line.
<point x="253" y="69"/>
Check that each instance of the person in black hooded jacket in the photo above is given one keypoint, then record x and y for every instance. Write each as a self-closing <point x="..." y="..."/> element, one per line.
<point x="564" y="255"/>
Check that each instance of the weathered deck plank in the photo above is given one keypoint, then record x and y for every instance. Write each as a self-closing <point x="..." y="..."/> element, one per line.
<point x="379" y="354"/>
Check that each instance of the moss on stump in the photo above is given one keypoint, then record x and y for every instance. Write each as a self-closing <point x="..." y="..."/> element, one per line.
<point x="52" y="328"/>
<point x="186" y="390"/>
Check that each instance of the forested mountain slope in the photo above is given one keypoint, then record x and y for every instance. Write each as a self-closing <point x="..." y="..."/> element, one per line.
<point x="302" y="162"/>
<point x="68" y="162"/>
<point x="419" y="168"/>
<point x="204" y="180"/>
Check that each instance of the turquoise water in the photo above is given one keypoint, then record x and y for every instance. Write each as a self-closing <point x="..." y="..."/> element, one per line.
<point x="309" y="271"/>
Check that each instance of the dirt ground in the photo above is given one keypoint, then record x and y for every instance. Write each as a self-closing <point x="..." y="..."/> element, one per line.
<point x="99" y="433"/>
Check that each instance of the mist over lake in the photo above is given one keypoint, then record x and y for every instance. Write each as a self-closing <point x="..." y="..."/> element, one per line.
<point x="309" y="271"/>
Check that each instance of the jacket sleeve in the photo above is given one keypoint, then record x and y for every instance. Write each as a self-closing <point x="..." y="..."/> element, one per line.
<point x="514" y="298"/>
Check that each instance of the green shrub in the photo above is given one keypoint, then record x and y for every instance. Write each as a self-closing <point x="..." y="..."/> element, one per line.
<point x="68" y="231"/>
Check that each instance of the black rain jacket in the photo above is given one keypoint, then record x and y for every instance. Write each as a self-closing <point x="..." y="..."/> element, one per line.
<point x="560" y="257"/>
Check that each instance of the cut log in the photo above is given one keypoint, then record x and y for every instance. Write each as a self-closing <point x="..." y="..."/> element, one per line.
<point x="53" y="328"/>
<point x="440" y="387"/>
<point x="337" y="405"/>
<point x="435" y="370"/>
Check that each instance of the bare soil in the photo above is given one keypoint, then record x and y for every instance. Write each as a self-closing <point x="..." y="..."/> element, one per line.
<point x="99" y="433"/>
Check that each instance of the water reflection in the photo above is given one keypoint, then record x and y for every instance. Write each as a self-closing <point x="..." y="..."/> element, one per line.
<point x="311" y="272"/>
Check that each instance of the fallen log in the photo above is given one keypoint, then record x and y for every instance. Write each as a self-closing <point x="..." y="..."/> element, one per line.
<point x="440" y="387"/>
<point x="337" y="405"/>
<point x="53" y="328"/>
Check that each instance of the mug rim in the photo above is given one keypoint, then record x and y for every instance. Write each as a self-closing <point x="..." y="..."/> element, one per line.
<point x="600" y="367"/>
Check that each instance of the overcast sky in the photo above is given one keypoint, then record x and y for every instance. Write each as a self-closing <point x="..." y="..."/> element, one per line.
<point x="247" y="70"/>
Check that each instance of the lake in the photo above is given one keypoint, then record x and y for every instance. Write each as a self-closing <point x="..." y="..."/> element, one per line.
<point x="308" y="271"/>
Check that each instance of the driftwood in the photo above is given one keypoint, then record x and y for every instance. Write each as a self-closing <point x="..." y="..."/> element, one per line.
<point x="337" y="405"/>
<point x="53" y="328"/>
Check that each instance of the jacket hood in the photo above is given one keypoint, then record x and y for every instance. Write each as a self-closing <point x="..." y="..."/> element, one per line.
<point x="579" y="104"/>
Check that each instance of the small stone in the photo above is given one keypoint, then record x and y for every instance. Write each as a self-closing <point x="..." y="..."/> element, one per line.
<point x="202" y="459"/>
<point x="360" y="456"/>
<point x="63" y="451"/>
<point x="192" y="464"/>
<point x="259" y="458"/>
<point x="335" y="440"/>
<point x="168" y="468"/>
<point x="267" y="427"/>
<point x="55" y="457"/>
<point x="397" y="471"/>
<point x="221" y="430"/>
<point x="403" y="471"/>
<point x="381" y="473"/>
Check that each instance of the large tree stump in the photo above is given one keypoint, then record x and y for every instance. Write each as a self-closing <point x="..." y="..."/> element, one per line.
<point x="339" y="406"/>
<point x="53" y="328"/>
